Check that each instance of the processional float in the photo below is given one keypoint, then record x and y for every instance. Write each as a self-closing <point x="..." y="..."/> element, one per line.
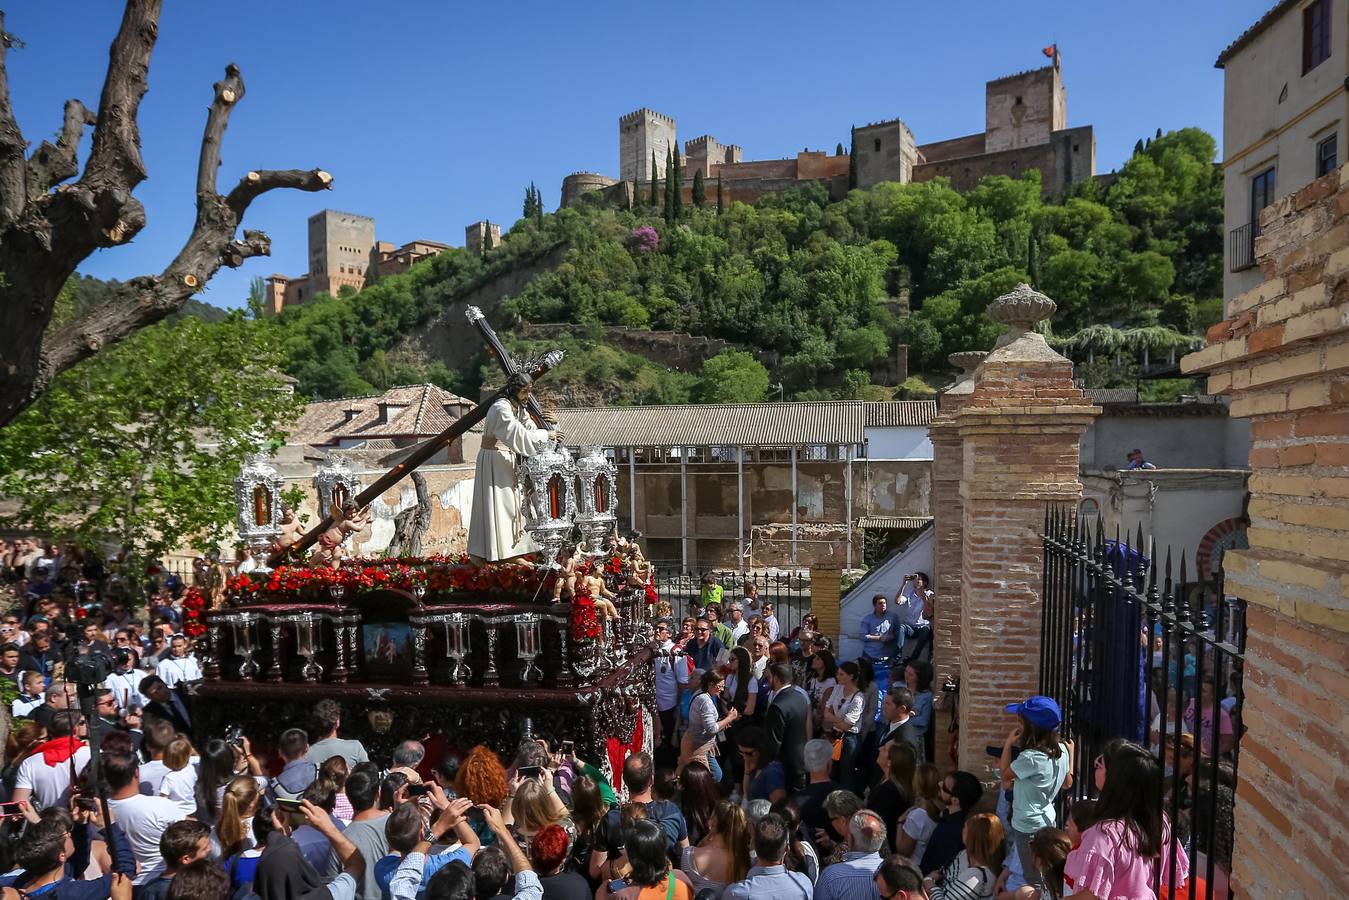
<point x="437" y="643"/>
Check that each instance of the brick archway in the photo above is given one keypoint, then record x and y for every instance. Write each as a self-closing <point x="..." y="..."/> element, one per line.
<point x="1229" y="534"/>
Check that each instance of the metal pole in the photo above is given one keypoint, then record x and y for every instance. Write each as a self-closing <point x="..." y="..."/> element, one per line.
<point x="740" y="509"/>
<point x="684" y="505"/>
<point x="847" y="489"/>
<point x="794" y="504"/>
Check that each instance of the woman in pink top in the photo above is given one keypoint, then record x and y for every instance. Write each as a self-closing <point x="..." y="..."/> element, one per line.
<point x="1120" y="855"/>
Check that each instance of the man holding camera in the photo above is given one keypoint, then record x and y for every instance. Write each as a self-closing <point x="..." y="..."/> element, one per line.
<point x="912" y="606"/>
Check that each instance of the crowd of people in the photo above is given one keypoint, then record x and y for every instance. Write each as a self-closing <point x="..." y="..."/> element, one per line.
<point x="815" y="778"/>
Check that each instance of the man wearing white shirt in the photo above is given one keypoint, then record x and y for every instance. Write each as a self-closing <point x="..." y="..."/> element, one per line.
<point x="738" y="623"/>
<point x="671" y="673"/>
<point x="913" y="596"/>
<point x="179" y="666"/>
<point x="143" y="819"/>
<point x="125" y="681"/>
<point x="44" y="777"/>
<point x="157" y="734"/>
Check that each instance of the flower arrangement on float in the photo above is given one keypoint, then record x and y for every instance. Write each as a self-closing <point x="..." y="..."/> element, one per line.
<point x="435" y="574"/>
<point x="194" y="605"/>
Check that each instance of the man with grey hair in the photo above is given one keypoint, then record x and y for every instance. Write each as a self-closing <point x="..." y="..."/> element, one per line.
<point x="737" y="621"/>
<point x="853" y="877"/>
<point x="408" y="755"/>
<point x="819" y="759"/>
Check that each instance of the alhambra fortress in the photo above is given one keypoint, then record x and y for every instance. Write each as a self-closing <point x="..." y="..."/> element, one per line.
<point x="1025" y="127"/>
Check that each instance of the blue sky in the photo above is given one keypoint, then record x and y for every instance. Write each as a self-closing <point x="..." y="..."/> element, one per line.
<point x="431" y="115"/>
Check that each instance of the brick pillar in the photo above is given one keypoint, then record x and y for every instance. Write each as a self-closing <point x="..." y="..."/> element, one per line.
<point x="947" y="516"/>
<point x="947" y="465"/>
<point x="1283" y="357"/>
<point x="1020" y="429"/>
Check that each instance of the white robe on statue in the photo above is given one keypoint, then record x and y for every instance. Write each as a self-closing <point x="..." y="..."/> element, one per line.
<point x="496" y="530"/>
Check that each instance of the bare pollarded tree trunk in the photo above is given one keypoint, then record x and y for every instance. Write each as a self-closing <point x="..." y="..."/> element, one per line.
<point x="48" y="227"/>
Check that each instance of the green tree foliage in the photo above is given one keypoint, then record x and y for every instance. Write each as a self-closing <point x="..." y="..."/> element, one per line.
<point x="813" y="282"/>
<point x="838" y="151"/>
<point x="676" y="191"/>
<point x="139" y="445"/>
<point x="732" y="376"/>
<point x="852" y="161"/>
<point x="699" y="190"/>
<point x="653" y="178"/>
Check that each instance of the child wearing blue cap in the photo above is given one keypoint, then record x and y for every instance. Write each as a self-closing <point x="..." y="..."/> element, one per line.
<point x="1039" y="772"/>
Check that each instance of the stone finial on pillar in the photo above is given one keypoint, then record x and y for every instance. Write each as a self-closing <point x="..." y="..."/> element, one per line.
<point x="967" y="361"/>
<point x="1021" y="309"/>
<point x="1019" y="432"/>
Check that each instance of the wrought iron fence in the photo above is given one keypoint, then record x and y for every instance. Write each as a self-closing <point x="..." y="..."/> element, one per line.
<point x="1136" y="649"/>
<point x="788" y="591"/>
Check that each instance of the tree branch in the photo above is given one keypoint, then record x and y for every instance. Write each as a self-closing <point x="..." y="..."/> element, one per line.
<point x="115" y="160"/>
<point x="256" y="183"/>
<point x="228" y="91"/>
<point x="52" y="164"/>
<point x="13" y="173"/>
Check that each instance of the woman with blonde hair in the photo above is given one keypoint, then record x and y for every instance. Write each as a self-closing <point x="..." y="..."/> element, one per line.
<point x="973" y="874"/>
<point x="721" y="858"/>
<point x="233" y="834"/>
<point x="921" y="819"/>
<point x="534" y="805"/>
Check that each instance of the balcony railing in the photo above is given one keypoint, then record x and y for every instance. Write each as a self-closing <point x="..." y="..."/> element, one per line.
<point x="1241" y="246"/>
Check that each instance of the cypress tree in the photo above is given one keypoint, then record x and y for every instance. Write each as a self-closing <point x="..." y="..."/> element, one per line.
<point x="1033" y="260"/>
<point x="653" y="177"/>
<point x="677" y="193"/>
<point x="1138" y="146"/>
<point x="529" y="202"/>
<point x="838" y="151"/>
<point x="720" y="205"/>
<point x="699" y="191"/>
<point x="538" y="205"/>
<point x="852" y="161"/>
<point x="669" y="184"/>
<point x="487" y="237"/>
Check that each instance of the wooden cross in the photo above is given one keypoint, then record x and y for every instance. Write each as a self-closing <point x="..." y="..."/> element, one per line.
<point x="536" y="368"/>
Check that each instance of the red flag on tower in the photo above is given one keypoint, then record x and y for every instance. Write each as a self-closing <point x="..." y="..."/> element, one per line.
<point x="1052" y="51"/>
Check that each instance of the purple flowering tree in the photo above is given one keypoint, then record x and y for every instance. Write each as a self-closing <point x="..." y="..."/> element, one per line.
<point x="645" y="239"/>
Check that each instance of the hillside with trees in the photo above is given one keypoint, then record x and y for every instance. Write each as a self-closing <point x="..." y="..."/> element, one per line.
<point x="827" y="289"/>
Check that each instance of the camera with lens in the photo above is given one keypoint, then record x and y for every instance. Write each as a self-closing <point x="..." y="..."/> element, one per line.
<point x="234" y="736"/>
<point x="90" y="668"/>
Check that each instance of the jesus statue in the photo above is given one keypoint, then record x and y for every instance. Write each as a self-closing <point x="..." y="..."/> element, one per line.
<point x="496" y="528"/>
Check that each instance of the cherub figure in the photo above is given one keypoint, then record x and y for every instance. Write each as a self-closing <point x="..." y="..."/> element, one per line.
<point x="566" y="576"/>
<point x="291" y="531"/>
<point x="593" y="585"/>
<point x="347" y="520"/>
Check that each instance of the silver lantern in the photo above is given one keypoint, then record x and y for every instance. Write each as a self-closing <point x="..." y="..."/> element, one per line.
<point x="596" y="489"/>
<point x="335" y="483"/>
<point x="257" y="493"/>
<point x="548" y="489"/>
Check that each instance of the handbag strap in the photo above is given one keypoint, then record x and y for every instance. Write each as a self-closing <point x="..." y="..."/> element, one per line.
<point x="669" y="890"/>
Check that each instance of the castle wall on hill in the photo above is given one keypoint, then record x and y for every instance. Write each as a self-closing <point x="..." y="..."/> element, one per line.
<point x="1068" y="157"/>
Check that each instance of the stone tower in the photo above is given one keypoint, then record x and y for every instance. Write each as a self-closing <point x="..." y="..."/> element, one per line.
<point x="1023" y="110"/>
<point x="640" y="134"/>
<point x="885" y="152"/>
<point x="339" y="250"/>
<point x="479" y="232"/>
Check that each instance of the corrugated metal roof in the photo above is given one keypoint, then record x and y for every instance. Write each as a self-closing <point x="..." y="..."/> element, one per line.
<point x="897" y="413"/>
<point x="893" y="521"/>
<point x="1251" y="33"/>
<point x="716" y="425"/>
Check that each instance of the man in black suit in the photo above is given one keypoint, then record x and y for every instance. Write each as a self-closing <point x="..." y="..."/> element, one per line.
<point x="165" y="703"/>
<point x="785" y="725"/>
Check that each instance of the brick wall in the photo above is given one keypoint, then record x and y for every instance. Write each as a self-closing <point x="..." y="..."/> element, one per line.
<point x="1283" y="358"/>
